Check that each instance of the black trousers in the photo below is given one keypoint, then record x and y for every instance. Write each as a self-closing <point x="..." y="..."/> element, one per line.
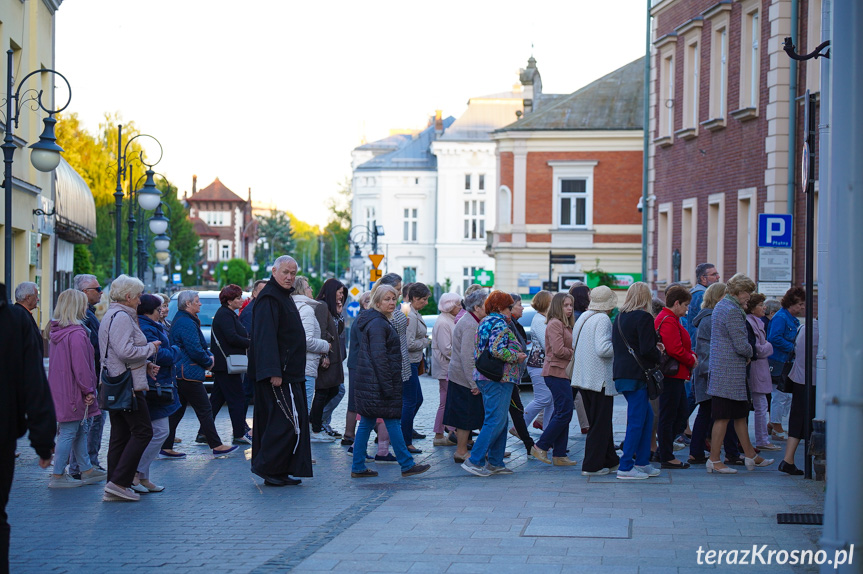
<point x="516" y="413"/>
<point x="7" y="469"/>
<point x="702" y="429"/>
<point x="193" y="393"/>
<point x="599" y="443"/>
<point x="673" y="412"/>
<point x="229" y="389"/>
<point x="130" y="434"/>
<point x="322" y="397"/>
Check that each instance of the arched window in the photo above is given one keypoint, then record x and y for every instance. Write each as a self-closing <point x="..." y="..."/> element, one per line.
<point x="504" y="208"/>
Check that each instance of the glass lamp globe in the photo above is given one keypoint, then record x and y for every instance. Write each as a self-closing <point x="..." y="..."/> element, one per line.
<point x="149" y="197"/>
<point x="190" y="271"/>
<point x="163" y="257"/>
<point x="45" y="153"/>
<point x="162" y="242"/>
<point x="158" y="224"/>
<point x="178" y="267"/>
<point x="158" y="269"/>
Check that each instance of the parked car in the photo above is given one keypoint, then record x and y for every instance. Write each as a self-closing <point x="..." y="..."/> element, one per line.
<point x="209" y="305"/>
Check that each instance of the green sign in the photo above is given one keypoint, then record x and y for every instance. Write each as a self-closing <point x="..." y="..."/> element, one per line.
<point x="621" y="280"/>
<point x="483" y="277"/>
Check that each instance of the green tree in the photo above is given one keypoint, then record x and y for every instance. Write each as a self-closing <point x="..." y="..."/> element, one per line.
<point x="83" y="261"/>
<point x="337" y="254"/>
<point x="276" y="230"/>
<point x="239" y="273"/>
<point x="185" y="249"/>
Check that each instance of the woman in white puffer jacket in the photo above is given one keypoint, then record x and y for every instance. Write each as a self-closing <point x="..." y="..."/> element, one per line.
<point x="316" y="348"/>
<point x="592" y="374"/>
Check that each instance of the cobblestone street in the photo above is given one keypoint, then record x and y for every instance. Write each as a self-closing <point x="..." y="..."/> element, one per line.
<point x="215" y="516"/>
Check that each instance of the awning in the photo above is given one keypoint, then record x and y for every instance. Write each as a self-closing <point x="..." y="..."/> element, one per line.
<point x="75" y="220"/>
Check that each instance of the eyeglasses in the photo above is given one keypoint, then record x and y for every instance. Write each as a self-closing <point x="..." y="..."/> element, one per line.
<point x="97" y="289"/>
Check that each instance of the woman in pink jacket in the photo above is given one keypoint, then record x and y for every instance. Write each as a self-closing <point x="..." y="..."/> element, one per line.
<point x="72" y="377"/>
<point x="760" y="383"/>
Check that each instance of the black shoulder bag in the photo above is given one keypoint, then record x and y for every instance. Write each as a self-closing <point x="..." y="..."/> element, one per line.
<point x="117" y="393"/>
<point x="653" y="376"/>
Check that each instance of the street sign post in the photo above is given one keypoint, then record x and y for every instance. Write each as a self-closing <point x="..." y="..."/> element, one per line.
<point x="374" y="275"/>
<point x="484" y="277"/>
<point x="355" y="291"/>
<point x="376" y="259"/>
<point x="177" y="278"/>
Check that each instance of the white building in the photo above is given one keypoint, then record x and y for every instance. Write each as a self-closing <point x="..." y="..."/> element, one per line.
<point x="434" y="191"/>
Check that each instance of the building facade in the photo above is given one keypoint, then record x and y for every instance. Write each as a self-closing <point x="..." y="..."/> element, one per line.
<point x="726" y="135"/>
<point x="223" y="220"/>
<point x="570" y="182"/>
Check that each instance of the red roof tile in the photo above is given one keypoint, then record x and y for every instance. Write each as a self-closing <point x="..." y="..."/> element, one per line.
<point x="201" y="228"/>
<point x="216" y="191"/>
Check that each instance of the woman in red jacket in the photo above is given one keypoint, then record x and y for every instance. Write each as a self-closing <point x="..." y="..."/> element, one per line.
<point x="673" y="409"/>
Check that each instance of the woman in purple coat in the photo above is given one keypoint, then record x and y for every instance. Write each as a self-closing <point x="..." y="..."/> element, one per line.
<point x="760" y="382"/>
<point x="72" y="377"/>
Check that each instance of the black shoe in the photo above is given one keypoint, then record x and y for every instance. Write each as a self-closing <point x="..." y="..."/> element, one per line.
<point x="367" y="473"/>
<point x="734" y="461"/>
<point x="290" y="481"/>
<point x="416" y="469"/>
<point x="414" y="450"/>
<point x="697" y="460"/>
<point x="417" y="435"/>
<point x="790" y="469"/>
<point x="654" y="457"/>
<point x="201" y="439"/>
<point x="347" y="441"/>
<point x="453" y="438"/>
<point x="271" y="480"/>
<point x="671" y="466"/>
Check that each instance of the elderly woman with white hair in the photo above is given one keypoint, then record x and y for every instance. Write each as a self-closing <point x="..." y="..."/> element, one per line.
<point x="122" y="345"/>
<point x="449" y="306"/>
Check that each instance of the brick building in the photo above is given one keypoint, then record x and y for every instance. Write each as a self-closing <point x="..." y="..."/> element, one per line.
<point x="721" y="130"/>
<point x="223" y="220"/>
<point x="570" y="182"/>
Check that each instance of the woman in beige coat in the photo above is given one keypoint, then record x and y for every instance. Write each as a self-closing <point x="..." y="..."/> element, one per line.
<point x="449" y="306"/>
<point x="417" y="339"/>
<point x="123" y="345"/>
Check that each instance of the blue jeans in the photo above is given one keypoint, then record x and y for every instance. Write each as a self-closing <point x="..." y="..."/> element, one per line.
<point x="331" y="406"/>
<point x="492" y="435"/>
<point x="690" y="398"/>
<point x="412" y="399"/>
<point x="556" y="431"/>
<point x="310" y="392"/>
<point x="94" y="443"/>
<point x="639" y="426"/>
<point x="71" y="437"/>
<point x="361" y="441"/>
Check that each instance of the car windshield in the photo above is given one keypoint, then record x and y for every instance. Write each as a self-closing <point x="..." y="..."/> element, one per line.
<point x="209" y="306"/>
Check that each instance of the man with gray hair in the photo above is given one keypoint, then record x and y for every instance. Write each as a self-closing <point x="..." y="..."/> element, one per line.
<point x="89" y="285"/>
<point x="281" y="446"/>
<point x="27" y="297"/>
<point x="705" y="276"/>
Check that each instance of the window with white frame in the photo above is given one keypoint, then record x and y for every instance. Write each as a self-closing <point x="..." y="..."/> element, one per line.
<point x="573" y="194"/>
<point x="370" y="216"/>
<point x="664" y="237"/>
<point x="410" y="224"/>
<point x="409" y="275"/>
<point x="719" y="73"/>
<point x="688" y="236"/>
<point x="212" y="250"/>
<point x="666" y="96"/>
<point x="474" y="219"/>
<point x="750" y="55"/>
<point x="467" y="182"/>
<point x="224" y="250"/>
<point x="467" y="277"/>
<point x="481" y="185"/>
<point x="216" y="218"/>
<point x="746" y="231"/>
<point x="691" y="83"/>
<point x="716" y="230"/>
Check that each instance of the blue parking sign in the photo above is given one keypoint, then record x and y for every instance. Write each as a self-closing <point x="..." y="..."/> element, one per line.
<point x="774" y="230"/>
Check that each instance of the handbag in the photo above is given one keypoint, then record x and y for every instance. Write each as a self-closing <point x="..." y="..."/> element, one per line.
<point x="667" y="364"/>
<point x="490" y="366"/>
<point x="779" y="372"/>
<point x="117" y="392"/>
<point x="652" y="376"/>
<point x="236" y="364"/>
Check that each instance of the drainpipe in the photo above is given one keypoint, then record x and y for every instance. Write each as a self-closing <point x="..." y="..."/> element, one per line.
<point x="844" y="395"/>
<point x="792" y="110"/>
<point x="646" y="144"/>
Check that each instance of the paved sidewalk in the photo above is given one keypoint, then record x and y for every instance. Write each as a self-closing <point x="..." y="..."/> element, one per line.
<point x="215" y="516"/>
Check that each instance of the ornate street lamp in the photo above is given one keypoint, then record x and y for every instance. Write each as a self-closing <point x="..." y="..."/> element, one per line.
<point x="44" y="154"/>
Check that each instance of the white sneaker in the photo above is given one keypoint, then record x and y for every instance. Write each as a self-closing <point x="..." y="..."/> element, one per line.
<point x="95" y="475"/>
<point x="117" y="492"/>
<point x="678" y="446"/>
<point x="321" y="437"/>
<point x="632" y="474"/>
<point x="64" y="481"/>
<point x="599" y="472"/>
<point x="649" y="470"/>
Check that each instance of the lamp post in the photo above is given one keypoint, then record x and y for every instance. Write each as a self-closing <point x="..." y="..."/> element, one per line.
<point x="45" y="155"/>
<point x="146" y="200"/>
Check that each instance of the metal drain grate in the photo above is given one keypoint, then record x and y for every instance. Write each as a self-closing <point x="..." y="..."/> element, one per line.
<point x="792" y="518"/>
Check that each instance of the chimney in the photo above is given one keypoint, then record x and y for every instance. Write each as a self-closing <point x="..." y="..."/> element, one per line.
<point x="194" y="184"/>
<point x="438" y="122"/>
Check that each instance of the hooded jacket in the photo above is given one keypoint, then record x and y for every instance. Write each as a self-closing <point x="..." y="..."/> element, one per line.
<point x="316" y="347"/>
<point x="72" y="372"/>
<point x="377" y="378"/>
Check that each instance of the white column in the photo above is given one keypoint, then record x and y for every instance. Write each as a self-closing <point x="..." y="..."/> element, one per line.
<point x="519" y="182"/>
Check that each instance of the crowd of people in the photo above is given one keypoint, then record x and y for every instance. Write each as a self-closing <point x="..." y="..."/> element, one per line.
<point x="722" y="348"/>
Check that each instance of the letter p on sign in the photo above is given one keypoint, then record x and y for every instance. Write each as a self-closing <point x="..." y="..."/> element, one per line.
<point x="774" y="230"/>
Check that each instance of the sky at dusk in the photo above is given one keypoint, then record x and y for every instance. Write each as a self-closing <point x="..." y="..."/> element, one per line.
<point x="273" y="95"/>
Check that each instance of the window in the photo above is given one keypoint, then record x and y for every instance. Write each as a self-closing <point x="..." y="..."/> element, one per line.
<point x="370" y="217"/>
<point x="474" y="219"/>
<point x="409" y="275"/>
<point x="410" y="225"/>
<point x="663" y="244"/>
<point x="688" y="237"/>
<point x="216" y="218"/>
<point x="691" y="85"/>
<point x="482" y="182"/>
<point x="666" y="99"/>
<point x="716" y="230"/>
<point x="750" y="61"/>
<point x="212" y="247"/>
<point x="573" y="202"/>
<point x="573" y="194"/>
<point x="467" y="277"/>
<point x="467" y="182"/>
<point x="746" y="231"/>
<point x="224" y="250"/>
